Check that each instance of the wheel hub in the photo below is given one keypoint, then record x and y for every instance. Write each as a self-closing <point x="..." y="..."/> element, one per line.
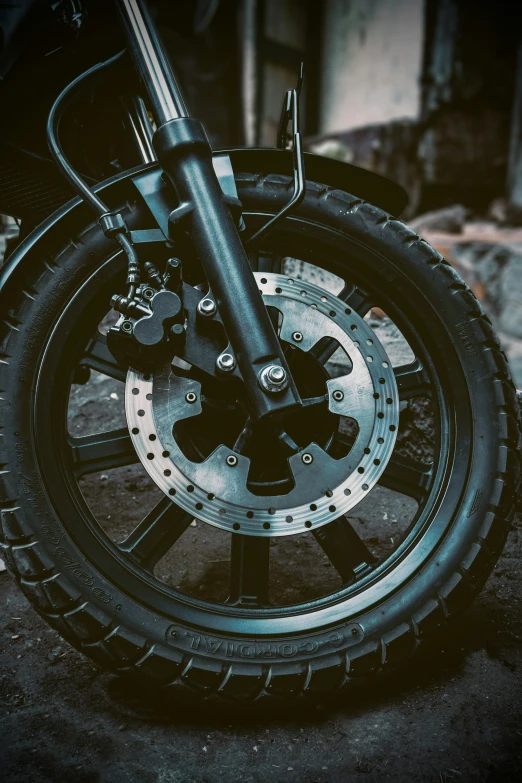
<point x="215" y="490"/>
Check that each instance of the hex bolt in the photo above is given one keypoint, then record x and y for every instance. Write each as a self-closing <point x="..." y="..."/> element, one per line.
<point x="225" y="362"/>
<point x="191" y="397"/>
<point x="273" y="378"/>
<point x="127" y="326"/>
<point x="307" y="458"/>
<point x="297" y="337"/>
<point x="276" y="374"/>
<point x="172" y="274"/>
<point x="338" y="395"/>
<point x="148" y="293"/>
<point x="231" y="461"/>
<point x="207" y="307"/>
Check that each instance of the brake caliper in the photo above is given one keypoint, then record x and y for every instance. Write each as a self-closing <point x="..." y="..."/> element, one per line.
<point x="153" y="322"/>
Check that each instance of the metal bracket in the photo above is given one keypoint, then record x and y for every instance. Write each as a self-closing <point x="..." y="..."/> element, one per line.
<point x="146" y="236"/>
<point x="159" y="198"/>
<point x="289" y="113"/>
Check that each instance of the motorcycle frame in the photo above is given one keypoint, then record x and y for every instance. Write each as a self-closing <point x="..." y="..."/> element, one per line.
<point x="185" y="155"/>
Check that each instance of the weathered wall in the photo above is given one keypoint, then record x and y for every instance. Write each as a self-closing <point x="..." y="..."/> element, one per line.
<point x="372" y="56"/>
<point x="422" y="91"/>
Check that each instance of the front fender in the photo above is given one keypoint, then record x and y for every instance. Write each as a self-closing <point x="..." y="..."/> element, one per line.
<point x="75" y="214"/>
<point x="367" y="185"/>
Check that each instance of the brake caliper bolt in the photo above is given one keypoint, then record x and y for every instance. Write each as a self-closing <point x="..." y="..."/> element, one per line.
<point x="127" y="326"/>
<point x="273" y="378"/>
<point x="276" y="374"/>
<point x="207" y="307"/>
<point x="148" y="293"/>
<point x="338" y="395"/>
<point x="191" y="397"/>
<point x="297" y="337"/>
<point x="231" y="461"/>
<point x="307" y="458"/>
<point x="225" y="362"/>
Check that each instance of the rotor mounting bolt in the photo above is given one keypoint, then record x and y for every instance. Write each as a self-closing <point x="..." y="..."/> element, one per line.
<point x="297" y="337"/>
<point x="231" y="461"/>
<point x="225" y="362"/>
<point x="191" y="397"/>
<point x="338" y="395"/>
<point x="273" y="378"/>
<point x="207" y="307"/>
<point x="307" y="458"/>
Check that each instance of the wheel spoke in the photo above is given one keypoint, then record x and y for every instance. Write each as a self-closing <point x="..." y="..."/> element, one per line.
<point x="243" y="437"/>
<point x="324" y="349"/>
<point x="266" y="261"/>
<point x="157" y="533"/>
<point x="249" y="570"/>
<point x="102" y="451"/>
<point x="407" y="477"/>
<point x="344" y="548"/>
<point x="412" y="381"/>
<point x="356" y="299"/>
<point x="98" y="357"/>
<point x="401" y="474"/>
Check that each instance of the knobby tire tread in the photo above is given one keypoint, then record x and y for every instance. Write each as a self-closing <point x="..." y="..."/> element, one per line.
<point x="121" y="649"/>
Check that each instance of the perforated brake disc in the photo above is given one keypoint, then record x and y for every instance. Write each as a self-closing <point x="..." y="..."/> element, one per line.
<point x="325" y="488"/>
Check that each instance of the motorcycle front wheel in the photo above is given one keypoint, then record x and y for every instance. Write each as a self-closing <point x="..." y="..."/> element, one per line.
<point x="306" y="607"/>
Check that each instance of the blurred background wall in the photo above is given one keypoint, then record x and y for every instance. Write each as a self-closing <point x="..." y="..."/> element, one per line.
<point x="425" y="91"/>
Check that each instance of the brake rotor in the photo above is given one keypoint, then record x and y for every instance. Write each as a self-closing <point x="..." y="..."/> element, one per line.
<point x="215" y="490"/>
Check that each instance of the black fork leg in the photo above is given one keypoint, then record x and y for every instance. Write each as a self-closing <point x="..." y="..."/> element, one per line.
<point x="185" y="155"/>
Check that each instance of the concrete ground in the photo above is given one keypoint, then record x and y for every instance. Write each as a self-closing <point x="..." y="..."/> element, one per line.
<point x="455" y="716"/>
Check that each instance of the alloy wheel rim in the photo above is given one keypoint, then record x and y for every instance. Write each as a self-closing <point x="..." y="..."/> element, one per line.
<point x="328" y="608"/>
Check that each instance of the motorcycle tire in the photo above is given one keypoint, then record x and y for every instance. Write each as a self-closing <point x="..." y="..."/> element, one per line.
<point x="113" y="610"/>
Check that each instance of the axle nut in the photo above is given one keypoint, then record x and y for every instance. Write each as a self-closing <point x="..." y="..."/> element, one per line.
<point x="273" y="378"/>
<point x="207" y="307"/>
<point x="225" y="362"/>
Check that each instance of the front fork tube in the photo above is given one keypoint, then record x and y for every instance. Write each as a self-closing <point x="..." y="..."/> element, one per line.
<point x="185" y="155"/>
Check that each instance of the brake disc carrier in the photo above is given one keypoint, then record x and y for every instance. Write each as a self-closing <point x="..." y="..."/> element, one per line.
<point x="325" y="488"/>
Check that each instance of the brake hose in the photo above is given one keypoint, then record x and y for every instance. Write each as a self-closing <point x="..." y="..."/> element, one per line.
<point x="112" y="223"/>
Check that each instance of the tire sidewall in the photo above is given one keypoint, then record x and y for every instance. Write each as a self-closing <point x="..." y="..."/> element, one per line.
<point x="56" y="549"/>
